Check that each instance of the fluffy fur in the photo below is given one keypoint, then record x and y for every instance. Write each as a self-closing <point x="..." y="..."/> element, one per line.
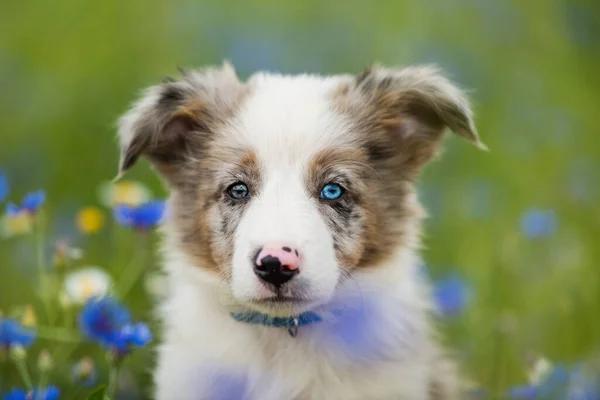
<point x="285" y="137"/>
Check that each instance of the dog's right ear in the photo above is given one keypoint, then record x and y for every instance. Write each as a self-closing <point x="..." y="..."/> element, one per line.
<point x="172" y="122"/>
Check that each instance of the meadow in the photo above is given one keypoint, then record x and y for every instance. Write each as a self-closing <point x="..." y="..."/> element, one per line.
<point x="511" y="244"/>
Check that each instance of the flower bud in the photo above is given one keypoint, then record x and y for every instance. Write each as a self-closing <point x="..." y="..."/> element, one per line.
<point x="45" y="361"/>
<point x="28" y="318"/>
<point x="17" y="352"/>
<point x="84" y="372"/>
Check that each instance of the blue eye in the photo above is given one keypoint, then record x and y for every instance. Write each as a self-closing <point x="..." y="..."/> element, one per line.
<point x="332" y="191"/>
<point x="238" y="191"/>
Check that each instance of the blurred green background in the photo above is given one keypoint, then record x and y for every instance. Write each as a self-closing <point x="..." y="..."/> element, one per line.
<point x="519" y="224"/>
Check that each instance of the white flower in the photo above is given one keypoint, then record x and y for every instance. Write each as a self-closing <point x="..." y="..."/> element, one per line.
<point x="540" y="371"/>
<point x="84" y="283"/>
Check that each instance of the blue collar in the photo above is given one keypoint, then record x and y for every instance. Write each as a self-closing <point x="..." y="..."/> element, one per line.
<point x="290" y="323"/>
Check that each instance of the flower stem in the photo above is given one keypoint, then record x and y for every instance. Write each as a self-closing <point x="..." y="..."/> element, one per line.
<point x="41" y="267"/>
<point x="2" y="371"/>
<point x="59" y="334"/>
<point x="133" y="271"/>
<point x="24" y="372"/>
<point x="112" y="379"/>
<point x="39" y="237"/>
<point x="42" y="383"/>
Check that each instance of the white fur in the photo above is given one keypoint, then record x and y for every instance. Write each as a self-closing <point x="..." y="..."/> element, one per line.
<point x="201" y="336"/>
<point x="286" y="120"/>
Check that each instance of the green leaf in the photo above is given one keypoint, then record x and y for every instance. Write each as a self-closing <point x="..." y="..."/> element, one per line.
<point x="98" y="393"/>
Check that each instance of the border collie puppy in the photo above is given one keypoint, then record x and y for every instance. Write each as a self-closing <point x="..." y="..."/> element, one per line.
<point x="292" y="233"/>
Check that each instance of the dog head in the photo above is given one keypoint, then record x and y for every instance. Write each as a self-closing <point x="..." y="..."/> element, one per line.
<point x="284" y="185"/>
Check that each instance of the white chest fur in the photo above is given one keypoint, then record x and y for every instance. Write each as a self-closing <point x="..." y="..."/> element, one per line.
<point x="206" y="354"/>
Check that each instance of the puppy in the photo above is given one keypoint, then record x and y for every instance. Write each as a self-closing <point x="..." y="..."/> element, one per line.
<point x="292" y="238"/>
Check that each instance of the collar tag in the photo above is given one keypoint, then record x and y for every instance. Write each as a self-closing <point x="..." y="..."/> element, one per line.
<point x="293" y="330"/>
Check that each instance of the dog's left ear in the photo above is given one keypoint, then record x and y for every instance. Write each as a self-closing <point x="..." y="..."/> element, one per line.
<point x="172" y="123"/>
<point x="415" y="106"/>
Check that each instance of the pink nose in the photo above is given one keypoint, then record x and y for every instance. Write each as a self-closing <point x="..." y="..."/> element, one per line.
<point x="288" y="257"/>
<point x="277" y="264"/>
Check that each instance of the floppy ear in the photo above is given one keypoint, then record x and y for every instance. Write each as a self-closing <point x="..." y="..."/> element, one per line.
<point x="415" y="106"/>
<point x="171" y="123"/>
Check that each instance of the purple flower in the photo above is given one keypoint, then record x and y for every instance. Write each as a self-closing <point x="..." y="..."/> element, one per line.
<point x="31" y="203"/>
<point x="13" y="333"/>
<point x="108" y="323"/>
<point x="49" y="393"/>
<point x="4" y="188"/>
<point x="142" y="217"/>
<point x="452" y="294"/>
<point x="536" y="223"/>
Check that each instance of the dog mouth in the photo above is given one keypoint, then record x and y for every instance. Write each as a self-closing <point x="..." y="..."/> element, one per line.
<point x="281" y="300"/>
<point x="282" y="306"/>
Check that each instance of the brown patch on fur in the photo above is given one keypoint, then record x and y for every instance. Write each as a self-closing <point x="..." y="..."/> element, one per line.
<point x="179" y="126"/>
<point x="174" y="121"/>
<point x="398" y="119"/>
<point x="374" y="216"/>
<point x="406" y="110"/>
<point x="207" y="218"/>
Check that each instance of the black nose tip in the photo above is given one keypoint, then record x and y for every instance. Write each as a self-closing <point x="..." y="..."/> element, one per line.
<point x="271" y="271"/>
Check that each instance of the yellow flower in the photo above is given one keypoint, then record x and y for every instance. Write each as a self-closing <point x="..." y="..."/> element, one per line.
<point x="85" y="283"/>
<point x="130" y="193"/>
<point x="90" y="220"/>
<point x="17" y="224"/>
<point x="28" y="318"/>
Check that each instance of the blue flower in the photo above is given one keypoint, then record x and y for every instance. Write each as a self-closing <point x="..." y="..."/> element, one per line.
<point x="137" y="335"/>
<point x="452" y="294"/>
<point x="552" y="385"/>
<point x="13" y="333"/>
<point x="31" y="203"/>
<point x="102" y="319"/>
<point x="587" y="391"/>
<point x="525" y="392"/>
<point x="4" y="188"/>
<point x="536" y="223"/>
<point x="583" y="385"/>
<point x="108" y="323"/>
<point x="142" y="217"/>
<point x="49" y="393"/>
